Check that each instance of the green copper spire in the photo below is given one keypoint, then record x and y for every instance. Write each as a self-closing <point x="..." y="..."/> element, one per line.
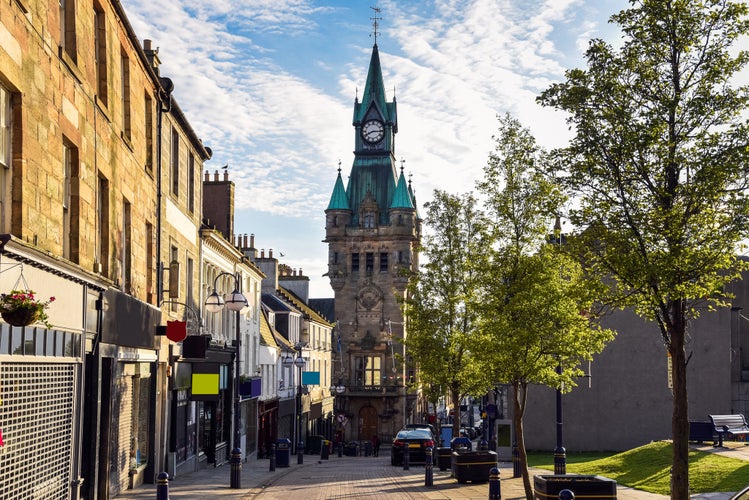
<point x="339" y="200"/>
<point x="402" y="198"/>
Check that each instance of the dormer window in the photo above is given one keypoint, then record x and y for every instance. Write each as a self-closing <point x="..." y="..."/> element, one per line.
<point x="368" y="220"/>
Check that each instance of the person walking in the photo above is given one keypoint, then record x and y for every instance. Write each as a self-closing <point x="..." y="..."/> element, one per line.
<point x="376" y="445"/>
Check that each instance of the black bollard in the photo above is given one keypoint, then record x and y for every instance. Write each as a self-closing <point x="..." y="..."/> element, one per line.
<point x="236" y="468"/>
<point x="560" y="460"/>
<point x="324" y="449"/>
<point x="428" y="472"/>
<point x="340" y="449"/>
<point x="406" y="454"/>
<point x="515" y="461"/>
<point x="495" y="492"/>
<point x="566" y="495"/>
<point x="300" y="453"/>
<point x="272" y="458"/>
<point x="162" y="486"/>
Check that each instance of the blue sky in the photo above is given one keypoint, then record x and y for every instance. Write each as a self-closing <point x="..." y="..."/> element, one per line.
<point x="269" y="85"/>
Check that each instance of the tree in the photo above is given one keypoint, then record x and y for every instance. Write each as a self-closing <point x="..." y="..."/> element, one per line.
<point x="440" y="304"/>
<point x="536" y="301"/>
<point x="658" y="167"/>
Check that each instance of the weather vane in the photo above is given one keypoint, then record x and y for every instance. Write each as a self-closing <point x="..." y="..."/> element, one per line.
<point x="374" y="21"/>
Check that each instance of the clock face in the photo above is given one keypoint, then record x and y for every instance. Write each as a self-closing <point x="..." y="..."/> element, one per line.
<point x="373" y="131"/>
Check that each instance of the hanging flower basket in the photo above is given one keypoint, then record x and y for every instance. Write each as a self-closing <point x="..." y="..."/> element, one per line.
<point x="23" y="316"/>
<point x="21" y="308"/>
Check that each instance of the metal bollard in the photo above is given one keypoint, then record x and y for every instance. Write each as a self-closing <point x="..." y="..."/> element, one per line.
<point x="515" y="461"/>
<point x="300" y="453"/>
<point x="566" y="495"/>
<point x="406" y="457"/>
<point x="236" y="468"/>
<point x="324" y="449"/>
<point x="340" y="449"/>
<point x="162" y="486"/>
<point x="428" y="472"/>
<point x="272" y="458"/>
<point x="495" y="492"/>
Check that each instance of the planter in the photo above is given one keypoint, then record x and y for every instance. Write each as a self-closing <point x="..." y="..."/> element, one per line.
<point x="444" y="457"/>
<point x="473" y="466"/>
<point x="22" y="316"/>
<point x="588" y="487"/>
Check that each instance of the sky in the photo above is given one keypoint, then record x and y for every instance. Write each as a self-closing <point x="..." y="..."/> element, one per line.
<point x="269" y="86"/>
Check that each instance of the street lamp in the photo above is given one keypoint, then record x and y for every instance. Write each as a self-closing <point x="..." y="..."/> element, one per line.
<point x="560" y="454"/>
<point x="299" y="362"/>
<point x="234" y="302"/>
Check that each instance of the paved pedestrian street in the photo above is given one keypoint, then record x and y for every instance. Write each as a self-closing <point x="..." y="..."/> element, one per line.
<point x="359" y="477"/>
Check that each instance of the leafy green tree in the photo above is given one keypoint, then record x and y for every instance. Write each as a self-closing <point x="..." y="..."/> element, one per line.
<point x="658" y="164"/>
<point x="536" y="301"/>
<point x="440" y="304"/>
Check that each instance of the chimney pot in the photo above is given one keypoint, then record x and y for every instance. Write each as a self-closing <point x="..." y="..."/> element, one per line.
<point x="207" y="176"/>
<point x="270" y="253"/>
<point x="252" y="241"/>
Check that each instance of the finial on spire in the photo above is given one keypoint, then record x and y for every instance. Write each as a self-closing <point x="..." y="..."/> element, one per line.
<point x="339" y="166"/>
<point x="375" y="23"/>
<point x="410" y="174"/>
<point x="403" y="161"/>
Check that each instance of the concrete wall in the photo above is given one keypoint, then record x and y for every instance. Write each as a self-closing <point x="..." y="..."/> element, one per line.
<point x="629" y="402"/>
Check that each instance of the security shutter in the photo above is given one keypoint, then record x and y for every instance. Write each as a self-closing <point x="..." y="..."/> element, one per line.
<point x="36" y="419"/>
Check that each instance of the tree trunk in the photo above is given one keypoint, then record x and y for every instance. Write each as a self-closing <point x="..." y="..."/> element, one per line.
<point x="518" y="402"/>
<point x="455" y="396"/>
<point x="680" y="415"/>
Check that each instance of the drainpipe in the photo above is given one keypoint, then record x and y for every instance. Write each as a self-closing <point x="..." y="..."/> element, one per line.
<point x="165" y="106"/>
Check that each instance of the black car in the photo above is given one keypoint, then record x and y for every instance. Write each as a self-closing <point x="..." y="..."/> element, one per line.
<point x="411" y="441"/>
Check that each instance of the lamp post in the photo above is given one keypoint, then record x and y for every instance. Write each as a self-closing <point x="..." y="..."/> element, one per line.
<point x="234" y="302"/>
<point x="299" y="362"/>
<point x="560" y="454"/>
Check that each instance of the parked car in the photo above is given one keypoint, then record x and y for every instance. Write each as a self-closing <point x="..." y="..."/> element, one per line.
<point x="412" y="441"/>
<point x="742" y="495"/>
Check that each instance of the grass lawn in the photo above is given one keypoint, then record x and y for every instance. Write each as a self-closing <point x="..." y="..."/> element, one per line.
<point x="647" y="468"/>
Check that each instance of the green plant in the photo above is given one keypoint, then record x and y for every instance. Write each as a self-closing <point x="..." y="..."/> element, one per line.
<point x="25" y="299"/>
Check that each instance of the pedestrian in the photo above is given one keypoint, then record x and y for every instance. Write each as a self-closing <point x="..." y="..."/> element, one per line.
<point x="376" y="445"/>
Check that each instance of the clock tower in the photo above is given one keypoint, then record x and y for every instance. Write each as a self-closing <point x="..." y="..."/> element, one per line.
<point x="373" y="230"/>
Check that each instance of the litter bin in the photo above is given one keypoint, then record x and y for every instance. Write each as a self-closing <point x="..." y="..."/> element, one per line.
<point x="283" y="452"/>
<point x="461" y="443"/>
<point x="351" y="449"/>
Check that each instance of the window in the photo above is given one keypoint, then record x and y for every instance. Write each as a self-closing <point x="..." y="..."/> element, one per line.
<point x="66" y="168"/>
<point x="191" y="183"/>
<point x="4" y="127"/>
<point x="100" y="53"/>
<point x="5" y="158"/>
<point x="148" y="117"/>
<point x="67" y="29"/>
<point x="70" y="211"/>
<point x="368" y="370"/>
<point x="369" y="262"/>
<point x="175" y="162"/>
<point x="334" y="258"/>
<point x="127" y="284"/>
<point x="188" y="282"/>
<point x="125" y="62"/>
<point x="102" y="226"/>
<point x="354" y="262"/>
<point x="368" y="220"/>
<point x="383" y="262"/>
<point x="150" y="292"/>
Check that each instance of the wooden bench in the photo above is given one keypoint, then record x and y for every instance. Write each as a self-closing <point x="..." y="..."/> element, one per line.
<point x="729" y="425"/>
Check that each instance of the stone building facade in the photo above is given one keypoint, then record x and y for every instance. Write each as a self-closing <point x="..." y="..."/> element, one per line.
<point x="373" y="231"/>
<point x="100" y="193"/>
